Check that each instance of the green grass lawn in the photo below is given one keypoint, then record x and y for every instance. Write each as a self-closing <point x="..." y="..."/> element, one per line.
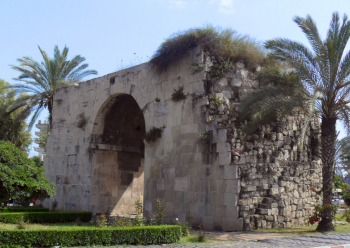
<point x="308" y="229"/>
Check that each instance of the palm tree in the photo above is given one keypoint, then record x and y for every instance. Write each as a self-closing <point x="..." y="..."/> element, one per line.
<point x="324" y="75"/>
<point x="40" y="80"/>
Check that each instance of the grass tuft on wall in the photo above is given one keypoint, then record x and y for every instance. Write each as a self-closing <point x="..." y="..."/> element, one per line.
<point x="224" y="46"/>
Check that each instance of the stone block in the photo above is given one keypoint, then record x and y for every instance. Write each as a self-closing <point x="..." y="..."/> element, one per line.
<point x="274" y="191"/>
<point x="265" y="186"/>
<point x="221" y="136"/>
<point x="232" y="186"/>
<point x="161" y="108"/>
<point x="261" y="211"/>
<point x="218" y="198"/>
<point x="220" y="212"/>
<point x="244" y="208"/>
<point x="180" y="184"/>
<point x="232" y="211"/>
<point x="242" y="202"/>
<point x="223" y="147"/>
<point x="274" y="211"/>
<point x="248" y="188"/>
<point x="224" y="158"/>
<point x="168" y="172"/>
<point x="269" y="218"/>
<point x="230" y="199"/>
<point x="222" y="82"/>
<point x="208" y="222"/>
<point x="230" y="171"/>
<point x="160" y="184"/>
<point x="232" y="224"/>
<point x="193" y="128"/>
<point x="236" y="82"/>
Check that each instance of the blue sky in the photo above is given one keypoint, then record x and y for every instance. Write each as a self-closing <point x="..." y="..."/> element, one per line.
<point x="116" y="34"/>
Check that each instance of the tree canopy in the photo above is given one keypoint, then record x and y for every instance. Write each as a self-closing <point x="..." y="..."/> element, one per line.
<point x="13" y="127"/>
<point x="20" y="177"/>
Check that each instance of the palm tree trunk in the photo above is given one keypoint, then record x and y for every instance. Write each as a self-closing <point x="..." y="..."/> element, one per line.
<point x="328" y="135"/>
<point x="49" y="108"/>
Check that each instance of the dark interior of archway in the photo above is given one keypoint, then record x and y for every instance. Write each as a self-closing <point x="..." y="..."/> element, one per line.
<point x="124" y="126"/>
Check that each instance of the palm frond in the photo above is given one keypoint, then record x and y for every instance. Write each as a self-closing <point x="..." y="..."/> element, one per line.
<point x="40" y="79"/>
<point x="282" y="98"/>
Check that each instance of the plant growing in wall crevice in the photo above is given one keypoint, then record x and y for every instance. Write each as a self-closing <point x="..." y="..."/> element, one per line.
<point x="178" y="94"/>
<point x="216" y="100"/>
<point x="153" y="134"/>
<point x="82" y="121"/>
<point x="205" y="135"/>
<point x="197" y="67"/>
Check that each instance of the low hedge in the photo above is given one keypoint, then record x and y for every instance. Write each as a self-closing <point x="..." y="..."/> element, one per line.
<point x="22" y="209"/>
<point x="45" y="217"/>
<point x="145" y="235"/>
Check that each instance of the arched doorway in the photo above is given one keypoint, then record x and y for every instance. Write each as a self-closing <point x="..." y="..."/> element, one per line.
<point x="117" y="150"/>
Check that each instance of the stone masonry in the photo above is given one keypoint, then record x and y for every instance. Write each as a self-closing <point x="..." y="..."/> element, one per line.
<point x="278" y="179"/>
<point x="202" y="166"/>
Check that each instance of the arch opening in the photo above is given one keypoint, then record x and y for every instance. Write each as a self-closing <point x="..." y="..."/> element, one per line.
<point x="117" y="156"/>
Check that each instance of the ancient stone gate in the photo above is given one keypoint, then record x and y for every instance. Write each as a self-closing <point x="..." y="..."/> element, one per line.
<point x="200" y="166"/>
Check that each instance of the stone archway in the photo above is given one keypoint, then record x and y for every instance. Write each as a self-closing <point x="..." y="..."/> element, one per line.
<point x="117" y="150"/>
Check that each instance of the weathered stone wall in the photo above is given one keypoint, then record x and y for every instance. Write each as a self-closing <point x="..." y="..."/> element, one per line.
<point x="278" y="180"/>
<point x="192" y="176"/>
<point x="201" y="167"/>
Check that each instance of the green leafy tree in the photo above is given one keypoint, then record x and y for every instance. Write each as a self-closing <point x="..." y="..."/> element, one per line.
<point x="323" y="72"/>
<point x="339" y="183"/>
<point x="40" y="80"/>
<point x="37" y="161"/>
<point x="12" y="125"/>
<point x="343" y="158"/>
<point x="20" y="178"/>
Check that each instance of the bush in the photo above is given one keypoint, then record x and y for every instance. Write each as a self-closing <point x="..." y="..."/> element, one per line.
<point x="346" y="197"/>
<point x="146" y="235"/>
<point x="20" y="178"/>
<point x="346" y="215"/>
<point x="24" y="209"/>
<point x="224" y="47"/>
<point x="45" y="217"/>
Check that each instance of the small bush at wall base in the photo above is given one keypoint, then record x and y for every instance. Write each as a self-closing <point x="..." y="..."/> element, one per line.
<point x="45" y="217"/>
<point x="149" y="235"/>
<point x="24" y="209"/>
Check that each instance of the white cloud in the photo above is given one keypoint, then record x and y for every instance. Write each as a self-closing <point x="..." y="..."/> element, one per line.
<point x="225" y="6"/>
<point x="179" y="4"/>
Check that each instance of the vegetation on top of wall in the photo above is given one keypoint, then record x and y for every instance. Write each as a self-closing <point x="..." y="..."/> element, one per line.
<point x="224" y="46"/>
